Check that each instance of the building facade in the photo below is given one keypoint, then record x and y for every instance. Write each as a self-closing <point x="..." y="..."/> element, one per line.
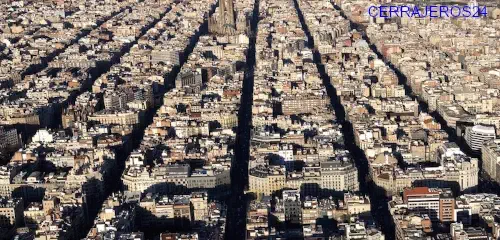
<point x="477" y="135"/>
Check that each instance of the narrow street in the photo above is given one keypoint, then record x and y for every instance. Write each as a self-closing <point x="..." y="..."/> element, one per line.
<point x="237" y="203"/>
<point x="377" y="195"/>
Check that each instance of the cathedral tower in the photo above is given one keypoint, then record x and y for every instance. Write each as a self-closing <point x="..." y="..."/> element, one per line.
<point x="225" y="21"/>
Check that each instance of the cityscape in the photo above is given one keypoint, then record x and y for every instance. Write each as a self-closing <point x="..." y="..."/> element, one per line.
<point x="249" y="119"/>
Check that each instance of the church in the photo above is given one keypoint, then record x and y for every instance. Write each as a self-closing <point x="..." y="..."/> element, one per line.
<point x="224" y="22"/>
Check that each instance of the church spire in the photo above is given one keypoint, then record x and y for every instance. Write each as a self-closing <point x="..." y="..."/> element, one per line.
<point x="225" y="22"/>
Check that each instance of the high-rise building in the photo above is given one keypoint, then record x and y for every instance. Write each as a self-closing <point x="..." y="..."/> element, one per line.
<point x="438" y="204"/>
<point x="477" y="135"/>
<point x="8" y="138"/>
<point x="423" y="201"/>
<point x="446" y="207"/>
<point x="118" y="99"/>
<point x="292" y="206"/>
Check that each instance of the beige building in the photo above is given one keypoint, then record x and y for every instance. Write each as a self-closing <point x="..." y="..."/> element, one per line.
<point x="394" y="180"/>
<point x="199" y="202"/>
<point x="357" y="204"/>
<point x="11" y="212"/>
<point x="303" y="105"/>
<point x="258" y="220"/>
<point x="112" y="117"/>
<point x="171" y="178"/>
<point x="411" y="226"/>
<point x="310" y="211"/>
<point x="325" y="177"/>
<point x="266" y="180"/>
<point x="165" y="210"/>
<point x="34" y="215"/>
<point x="456" y="170"/>
<point x="490" y="152"/>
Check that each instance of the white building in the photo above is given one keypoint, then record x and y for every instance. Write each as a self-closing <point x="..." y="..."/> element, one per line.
<point x="476" y="136"/>
<point x="43" y="136"/>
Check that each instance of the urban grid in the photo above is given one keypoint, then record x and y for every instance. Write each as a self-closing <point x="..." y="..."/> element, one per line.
<point x="248" y="120"/>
